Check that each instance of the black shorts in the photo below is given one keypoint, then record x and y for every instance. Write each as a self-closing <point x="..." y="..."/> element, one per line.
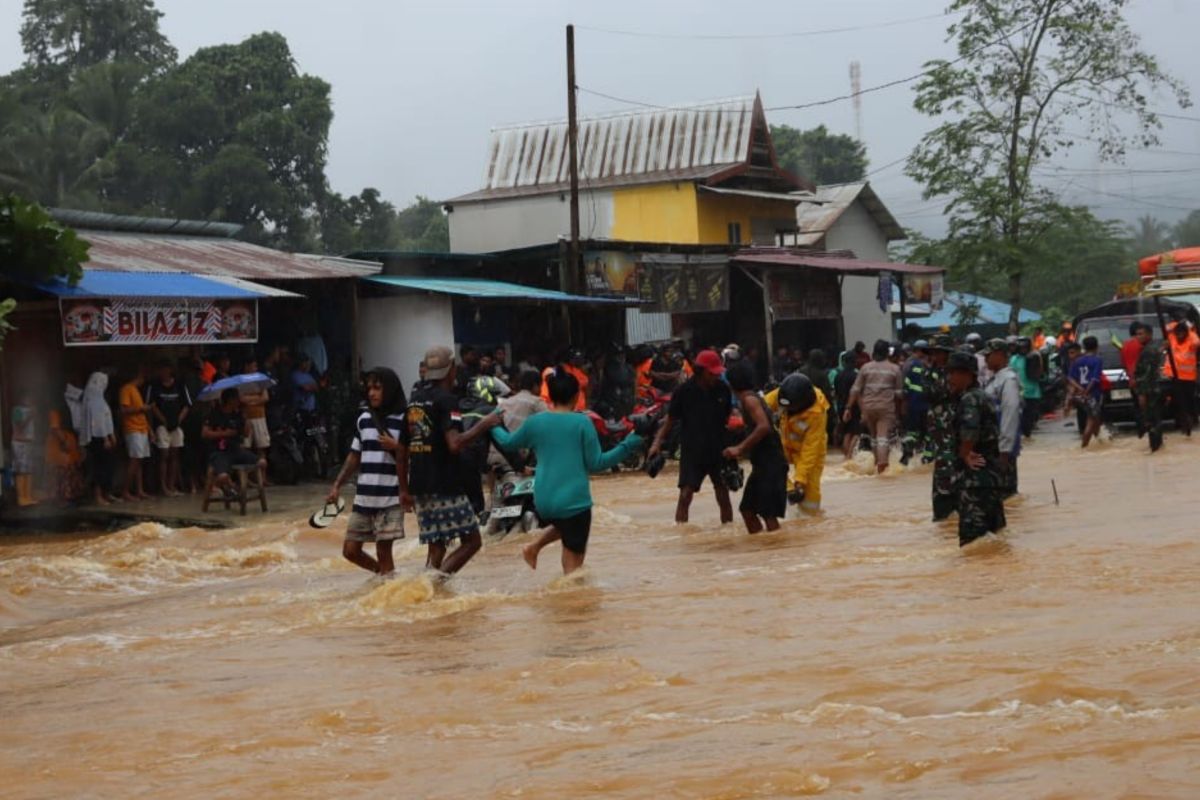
<point x="765" y="494"/>
<point x="222" y="461"/>
<point x="574" y="530"/>
<point x="692" y="473"/>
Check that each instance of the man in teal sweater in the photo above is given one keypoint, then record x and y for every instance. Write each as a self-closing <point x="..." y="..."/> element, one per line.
<point x="567" y="450"/>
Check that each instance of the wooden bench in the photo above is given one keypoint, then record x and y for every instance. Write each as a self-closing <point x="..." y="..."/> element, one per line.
<point x="246" y="490"/>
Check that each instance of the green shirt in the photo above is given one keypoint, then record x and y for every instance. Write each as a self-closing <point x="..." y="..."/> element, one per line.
<point x="1030" y="389"/>
<point x="567" y="449"/>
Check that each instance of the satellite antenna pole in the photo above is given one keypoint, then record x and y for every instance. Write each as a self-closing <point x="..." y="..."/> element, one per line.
<point x="856" y="93"/>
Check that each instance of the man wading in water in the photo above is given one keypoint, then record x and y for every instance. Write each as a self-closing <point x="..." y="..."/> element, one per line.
<point x="567" y="450"/>
<point x="702" y="407"/>
<point x="981" y="479"/>
<point x="380" y="455"/>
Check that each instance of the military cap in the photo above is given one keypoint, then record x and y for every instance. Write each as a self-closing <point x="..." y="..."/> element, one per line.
<point x="963" y="361"/>
<point x="995" y="345"/>
<point x="941" y="341"/>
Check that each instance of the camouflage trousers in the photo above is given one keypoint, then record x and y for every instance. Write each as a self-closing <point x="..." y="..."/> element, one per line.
<point x="980" y="512"/>
<point x="945" y="495"/>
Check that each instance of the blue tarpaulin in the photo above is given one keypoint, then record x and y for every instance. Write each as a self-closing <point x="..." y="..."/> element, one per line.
<point x="990" y="312"/>
<point x="482" y="289"/>
<point x="106" y="283"/>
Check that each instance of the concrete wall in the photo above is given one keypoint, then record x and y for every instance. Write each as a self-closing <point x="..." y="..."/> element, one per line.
<point x="514" y="222"/>
<point x="856" y="230"/>
<point x="396" y="331"/>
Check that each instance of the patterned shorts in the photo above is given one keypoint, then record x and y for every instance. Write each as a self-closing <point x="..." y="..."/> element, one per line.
<point x="444" y="518"/>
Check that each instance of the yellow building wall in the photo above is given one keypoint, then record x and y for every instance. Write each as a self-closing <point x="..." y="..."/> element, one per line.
<point x="660" y="212"/>
<point x="716" y="212"/>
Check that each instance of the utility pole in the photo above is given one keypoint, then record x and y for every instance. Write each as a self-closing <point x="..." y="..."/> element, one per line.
<point x="573" y="271"/>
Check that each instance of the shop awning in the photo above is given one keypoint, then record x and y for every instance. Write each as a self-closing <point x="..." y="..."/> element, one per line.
<point x="847" y="266"/>
<point x="481" y="289"/>
<point x="107" y="283"/>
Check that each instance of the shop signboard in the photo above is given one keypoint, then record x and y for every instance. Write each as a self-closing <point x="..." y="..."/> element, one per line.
<point x="157" y="320"/>
<point x="804" y="294"/>
<point x="611" y="273"/>
<point x="924" y="290"/>
<point x="681" y="283"/>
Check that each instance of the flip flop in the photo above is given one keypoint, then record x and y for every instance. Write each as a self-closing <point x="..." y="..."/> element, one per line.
<point x="325" y="517"/>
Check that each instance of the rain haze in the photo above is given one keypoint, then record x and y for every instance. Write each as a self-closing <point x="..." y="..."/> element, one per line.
<point x="417" y="86"/>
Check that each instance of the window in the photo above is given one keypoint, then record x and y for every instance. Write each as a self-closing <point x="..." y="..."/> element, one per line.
<point x="735" y="232"/>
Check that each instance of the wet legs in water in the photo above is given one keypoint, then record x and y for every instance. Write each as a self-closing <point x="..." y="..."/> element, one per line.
<point x="451" y="563"/>
<point x="381" y="564"/>
<point x="685" y="504"/>
<point x="571" y="560"/>
<point x="756" y="525"/>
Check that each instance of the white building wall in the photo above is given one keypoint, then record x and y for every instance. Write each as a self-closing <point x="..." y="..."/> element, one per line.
<point x="856" y="230"/>
<point x="514" y="222"/>
<point x="396" y="331"/>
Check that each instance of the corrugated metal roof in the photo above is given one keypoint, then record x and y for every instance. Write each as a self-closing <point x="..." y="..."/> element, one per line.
<point x="644" y="146"/>
<point x="815" y="220"/>
<point x="127" y="252"/>
<point x="780" y="257"/>
<point x="102" y="283"/>
<point x="99" y="220"/>
<point x="791" y="197"/>
<point x="491" y="290"/>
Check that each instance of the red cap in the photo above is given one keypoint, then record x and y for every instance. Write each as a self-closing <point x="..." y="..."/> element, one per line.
<point x="710" y="361"/>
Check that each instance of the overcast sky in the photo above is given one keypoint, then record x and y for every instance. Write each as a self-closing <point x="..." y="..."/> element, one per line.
<point x="417" y="85"/>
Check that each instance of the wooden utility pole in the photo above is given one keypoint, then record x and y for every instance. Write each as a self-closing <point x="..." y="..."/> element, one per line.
<point x="573" y="270"/>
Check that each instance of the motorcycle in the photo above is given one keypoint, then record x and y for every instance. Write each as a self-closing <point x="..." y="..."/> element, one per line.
<point x="314" y="442"/>
<point x="512" y="506"/>
<point x="284" y="457"/>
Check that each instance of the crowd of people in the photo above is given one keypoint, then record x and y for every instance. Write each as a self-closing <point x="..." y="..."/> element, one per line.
<point x="155" y="426"/>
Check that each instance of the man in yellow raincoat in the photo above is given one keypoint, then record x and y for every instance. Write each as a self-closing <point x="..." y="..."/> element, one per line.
<point x="802" y="409"/>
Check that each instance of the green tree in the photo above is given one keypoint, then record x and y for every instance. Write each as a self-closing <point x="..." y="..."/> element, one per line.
<point x="1187" y="231"/>
<point x="1149" y="236"/>
<point x="33" y="247"/>
<point x="819" y="155"/>
<point x="61" y="37"/>
<point x="235" y="133"/>
<point x="1027" y="71"/>
<point x="423" y="226"/>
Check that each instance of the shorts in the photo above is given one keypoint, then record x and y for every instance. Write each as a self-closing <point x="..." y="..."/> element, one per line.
<point x="1091" y="406"/>
<point x="376" y="525"/>
<point x="444" y="518"/>
<point x="765" y="494"/>
<point x="260" y="434"/>
<point x="574" y="530"/>
<point x="138" y="445"/>
<point x="224" y="460"/>
<point x="24" y="457"/>
<point x="692" y="473"/>
<point x="165" y="440"/>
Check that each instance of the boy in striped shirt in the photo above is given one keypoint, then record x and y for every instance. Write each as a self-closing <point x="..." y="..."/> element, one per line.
<point x="379" y="454"/>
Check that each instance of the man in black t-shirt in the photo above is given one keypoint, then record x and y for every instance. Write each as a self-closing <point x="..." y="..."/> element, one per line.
<point x="171" y="403"/>
<point x="224" y="431"/>
<point x="701" y="407"/>
<point x="436" y="478"/>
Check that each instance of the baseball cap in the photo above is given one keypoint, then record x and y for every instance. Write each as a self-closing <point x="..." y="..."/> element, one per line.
<point x="710" y="361"/>
<point x="438" y="361"/>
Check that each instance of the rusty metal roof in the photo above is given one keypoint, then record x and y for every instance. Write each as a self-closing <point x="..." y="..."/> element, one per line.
<point x="125" y="252"/>
<point x="646" y="146"/>
<point x="839" y="262"/>
<point x="817" y="219"/>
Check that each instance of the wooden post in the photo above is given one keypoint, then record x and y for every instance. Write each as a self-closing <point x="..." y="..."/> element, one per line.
<point x="573" y="161"/>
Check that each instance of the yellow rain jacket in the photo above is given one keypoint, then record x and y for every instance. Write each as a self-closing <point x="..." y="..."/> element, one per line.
<point x="804" y="445"/>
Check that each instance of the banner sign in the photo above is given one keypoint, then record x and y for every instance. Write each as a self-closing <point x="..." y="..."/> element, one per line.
<point x="157" y="320"/>
<point x="611" y="273"/>
<point x="680" y="283"/>
<point x="925" y="290"/>
<point x="804" y="294"/>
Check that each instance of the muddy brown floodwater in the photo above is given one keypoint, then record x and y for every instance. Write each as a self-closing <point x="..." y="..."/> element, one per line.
<point x="862" y="654"/>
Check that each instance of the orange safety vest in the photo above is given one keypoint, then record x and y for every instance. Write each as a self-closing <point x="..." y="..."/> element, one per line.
<point x="580" y="375"/>
<point x="1184" y="355"/>
<point x="1039" y="341"/>
<point x="643" y="376"/>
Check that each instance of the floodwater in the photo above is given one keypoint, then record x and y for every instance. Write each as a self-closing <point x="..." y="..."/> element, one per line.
<point x="862" y="654"/>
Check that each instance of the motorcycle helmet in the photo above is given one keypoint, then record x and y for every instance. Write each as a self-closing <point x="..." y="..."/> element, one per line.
<point x="974" y="341"/>
<point x="796" y="393"/>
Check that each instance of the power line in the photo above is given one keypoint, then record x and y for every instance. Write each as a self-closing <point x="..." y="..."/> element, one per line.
<point x="1128" y="107"/>
<point x="792" y="35"/>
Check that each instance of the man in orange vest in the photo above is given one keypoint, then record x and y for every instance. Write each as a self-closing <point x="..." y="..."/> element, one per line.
<point x="1179" y="368"/>
<point x="1039" y="338"/>
<point x="574" y="366"/>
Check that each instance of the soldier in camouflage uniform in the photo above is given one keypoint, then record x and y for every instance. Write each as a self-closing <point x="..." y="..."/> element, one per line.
<point x="981" y="478"/>
<point x="939" y="439"/>
<point x="1147" y="382"/>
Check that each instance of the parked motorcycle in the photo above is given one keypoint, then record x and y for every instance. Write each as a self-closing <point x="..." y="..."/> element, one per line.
<point x="315" y="444"/>
<point x="512" y="506"/>
<point x="284" y="458"/>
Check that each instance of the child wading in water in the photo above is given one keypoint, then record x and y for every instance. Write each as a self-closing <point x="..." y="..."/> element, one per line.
<point x="567" y="450"/>
<point x="380" y="455"/>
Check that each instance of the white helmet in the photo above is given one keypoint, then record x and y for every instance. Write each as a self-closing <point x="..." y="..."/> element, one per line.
<point x="1051" y="341"/>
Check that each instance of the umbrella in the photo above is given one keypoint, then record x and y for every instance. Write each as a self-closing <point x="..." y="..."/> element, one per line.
<point x="253" y="380"/>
